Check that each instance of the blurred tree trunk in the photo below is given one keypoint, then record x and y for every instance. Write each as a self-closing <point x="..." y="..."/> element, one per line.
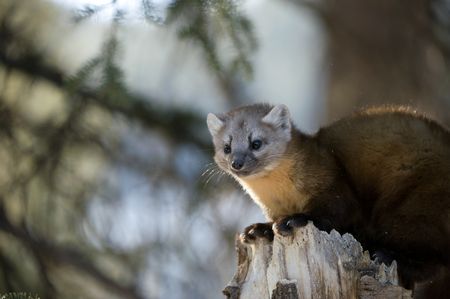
<point x="388" y="51"/>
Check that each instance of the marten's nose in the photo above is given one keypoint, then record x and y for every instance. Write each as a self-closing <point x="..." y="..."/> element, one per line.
<point x="237" y="163"/>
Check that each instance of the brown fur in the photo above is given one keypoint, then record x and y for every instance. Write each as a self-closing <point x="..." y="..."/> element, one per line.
<point x="392" y="174"/>
<point x="398" y="165"/>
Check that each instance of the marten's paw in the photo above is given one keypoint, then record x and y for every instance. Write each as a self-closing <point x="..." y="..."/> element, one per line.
<point x="285" y="226"/>
<point x="257" y="230"/>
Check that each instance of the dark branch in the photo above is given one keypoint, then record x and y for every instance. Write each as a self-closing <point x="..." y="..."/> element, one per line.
<point x="182" y="126"/>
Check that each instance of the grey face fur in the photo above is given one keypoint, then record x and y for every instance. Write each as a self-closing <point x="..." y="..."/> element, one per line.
<point x="249" y="141"/>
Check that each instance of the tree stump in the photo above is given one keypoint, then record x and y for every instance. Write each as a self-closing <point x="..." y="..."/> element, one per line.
<point x="311" y="264"/>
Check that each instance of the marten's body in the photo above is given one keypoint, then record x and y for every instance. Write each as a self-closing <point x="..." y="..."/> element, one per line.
<point x="382" y="175"/>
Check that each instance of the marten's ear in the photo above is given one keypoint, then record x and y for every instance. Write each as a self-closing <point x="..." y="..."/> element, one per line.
<point x="214" y="123"/>
<point x="279" y="117"/>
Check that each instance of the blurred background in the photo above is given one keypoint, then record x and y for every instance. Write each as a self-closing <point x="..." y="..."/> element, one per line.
<point x="107" y="187"/>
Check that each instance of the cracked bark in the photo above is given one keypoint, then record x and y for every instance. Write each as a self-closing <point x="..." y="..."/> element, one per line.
<point x="311" y="264"/>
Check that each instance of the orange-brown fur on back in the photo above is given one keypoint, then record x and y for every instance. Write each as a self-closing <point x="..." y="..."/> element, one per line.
<point x="398" y="164"/>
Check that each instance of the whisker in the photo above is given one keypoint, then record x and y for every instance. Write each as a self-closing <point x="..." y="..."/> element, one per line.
<point x="217" y="174"/>
<point x="209" y="167"/>
<point x="207" y="172"/>
<point x="212" y="171"/>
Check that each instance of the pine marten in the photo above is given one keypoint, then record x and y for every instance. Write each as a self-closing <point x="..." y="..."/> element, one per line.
<point x="382" y="175"/>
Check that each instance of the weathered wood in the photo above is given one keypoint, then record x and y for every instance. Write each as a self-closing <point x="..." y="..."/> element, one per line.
<point x="311" y="264"/>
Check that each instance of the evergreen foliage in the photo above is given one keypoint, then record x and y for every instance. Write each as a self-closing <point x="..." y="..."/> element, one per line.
<point x="49" y="183"/>
<point x="19" y="296"/>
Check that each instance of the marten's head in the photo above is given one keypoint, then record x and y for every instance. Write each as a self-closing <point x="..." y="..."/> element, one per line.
<point x="250" y="141"/>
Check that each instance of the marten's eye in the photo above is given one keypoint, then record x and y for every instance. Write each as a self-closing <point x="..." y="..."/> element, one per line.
<point x="227" y="149"/>
<point x="256" y="144"/>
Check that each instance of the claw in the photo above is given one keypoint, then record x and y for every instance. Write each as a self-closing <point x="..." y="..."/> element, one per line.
<point x="255" y="231"/>
<point x="285" y="226"/>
